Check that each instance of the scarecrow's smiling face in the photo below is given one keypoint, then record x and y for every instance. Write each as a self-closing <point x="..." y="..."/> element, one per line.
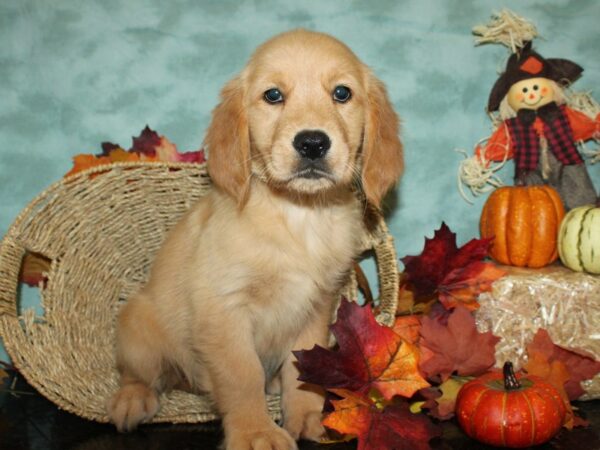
<point x="531" y="93"/>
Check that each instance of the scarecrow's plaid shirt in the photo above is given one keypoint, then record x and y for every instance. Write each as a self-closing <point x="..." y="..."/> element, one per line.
<point x="525" y="137"/>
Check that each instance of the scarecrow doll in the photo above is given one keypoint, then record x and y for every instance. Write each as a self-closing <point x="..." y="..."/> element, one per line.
<point x="538" y="120"/>
<point x="538" y="130"/>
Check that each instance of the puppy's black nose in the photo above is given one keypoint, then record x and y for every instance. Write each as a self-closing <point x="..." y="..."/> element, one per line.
<point x="312" y="144"/>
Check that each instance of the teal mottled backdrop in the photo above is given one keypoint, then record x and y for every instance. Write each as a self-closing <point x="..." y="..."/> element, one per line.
<point x="76" y="73"/>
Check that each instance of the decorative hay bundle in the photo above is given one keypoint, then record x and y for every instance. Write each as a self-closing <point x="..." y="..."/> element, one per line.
<point x="565" y="303"/>
<point x="101" y="229"/>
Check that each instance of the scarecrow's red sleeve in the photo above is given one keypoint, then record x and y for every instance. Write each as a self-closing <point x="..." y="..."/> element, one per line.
<point x="584" y="127"/>
<point x="497" y="147"/>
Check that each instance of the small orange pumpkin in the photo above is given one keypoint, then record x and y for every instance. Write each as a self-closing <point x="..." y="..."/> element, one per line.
<point x="503" y="410"/>
<point x="524" y="222"/>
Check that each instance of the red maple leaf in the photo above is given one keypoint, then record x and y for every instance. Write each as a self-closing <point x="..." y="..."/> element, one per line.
<point x="455" y="347"/>
<point x="152" y="145"/>
<point x="108" y="147"/>
<point x="393" y="427"/>
<point x="369" y="355"/>
<point x="146" y="142"/>
<point x="456" y="275"/>
<point x="580" y="365"/>
<point x="193" y="157"/>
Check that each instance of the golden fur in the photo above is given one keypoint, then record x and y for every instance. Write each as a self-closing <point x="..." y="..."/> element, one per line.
<point x="252" y="271"/>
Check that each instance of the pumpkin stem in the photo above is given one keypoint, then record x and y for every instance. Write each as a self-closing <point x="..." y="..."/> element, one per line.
<point x="510" y="380"/>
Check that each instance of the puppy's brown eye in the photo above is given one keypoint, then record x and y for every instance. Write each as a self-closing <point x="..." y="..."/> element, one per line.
<point x="273" y="96"/>
<point x="342" y="94"/>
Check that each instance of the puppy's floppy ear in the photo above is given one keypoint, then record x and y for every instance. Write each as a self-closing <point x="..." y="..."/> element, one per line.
<point x="382" y="160"/>
<point x="228" y="142"/>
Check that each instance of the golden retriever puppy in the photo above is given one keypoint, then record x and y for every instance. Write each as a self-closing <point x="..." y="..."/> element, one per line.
<point x="253" y="271"/>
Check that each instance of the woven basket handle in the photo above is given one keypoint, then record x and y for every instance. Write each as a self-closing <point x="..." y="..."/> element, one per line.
<point x="377" y="237"/>
<point x="387" y="269"/>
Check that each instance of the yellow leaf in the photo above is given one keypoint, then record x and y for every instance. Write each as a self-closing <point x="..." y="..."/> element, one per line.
<point x="416" y="407"/>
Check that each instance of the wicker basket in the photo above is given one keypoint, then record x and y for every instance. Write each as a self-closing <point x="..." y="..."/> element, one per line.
<point x="101" y="229"/>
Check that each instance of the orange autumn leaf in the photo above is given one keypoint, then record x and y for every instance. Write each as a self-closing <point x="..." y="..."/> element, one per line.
<point x="564" y="368"/>
<point x="555" y="373"/>
<point x="580" y="365"/>
<point x="120" y="155"/>
<point x="369" y="355"/>
<point x="408" y="328"/>
<point x="401" y="376"/>
<point x="351" y="415"/>
<point x="462" y="286"/>
<point x="392" y="427"/>
<point x="83" y="162"/>
<point x="406" y="298"/>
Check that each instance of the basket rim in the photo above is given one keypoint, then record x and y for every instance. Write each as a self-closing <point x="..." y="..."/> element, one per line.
<point x="101" y="168"/>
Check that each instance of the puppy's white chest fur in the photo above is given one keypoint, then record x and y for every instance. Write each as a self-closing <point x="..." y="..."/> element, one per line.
<point x="312" y="250"/>
<point x="283" y="263"/>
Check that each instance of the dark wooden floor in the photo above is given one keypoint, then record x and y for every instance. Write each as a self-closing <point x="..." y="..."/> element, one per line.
<point x="29" y="421"/>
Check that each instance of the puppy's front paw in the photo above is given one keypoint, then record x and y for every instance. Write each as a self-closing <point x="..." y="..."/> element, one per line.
<point x="131" y="405"/>
<point x="302" y="414"/>
<point x="270" y="438"/>
<point x="305" y="425"/>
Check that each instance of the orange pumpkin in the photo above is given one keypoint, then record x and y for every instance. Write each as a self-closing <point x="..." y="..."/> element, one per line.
<point x="524" y="222"/>
<point x="505" y="410"/>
